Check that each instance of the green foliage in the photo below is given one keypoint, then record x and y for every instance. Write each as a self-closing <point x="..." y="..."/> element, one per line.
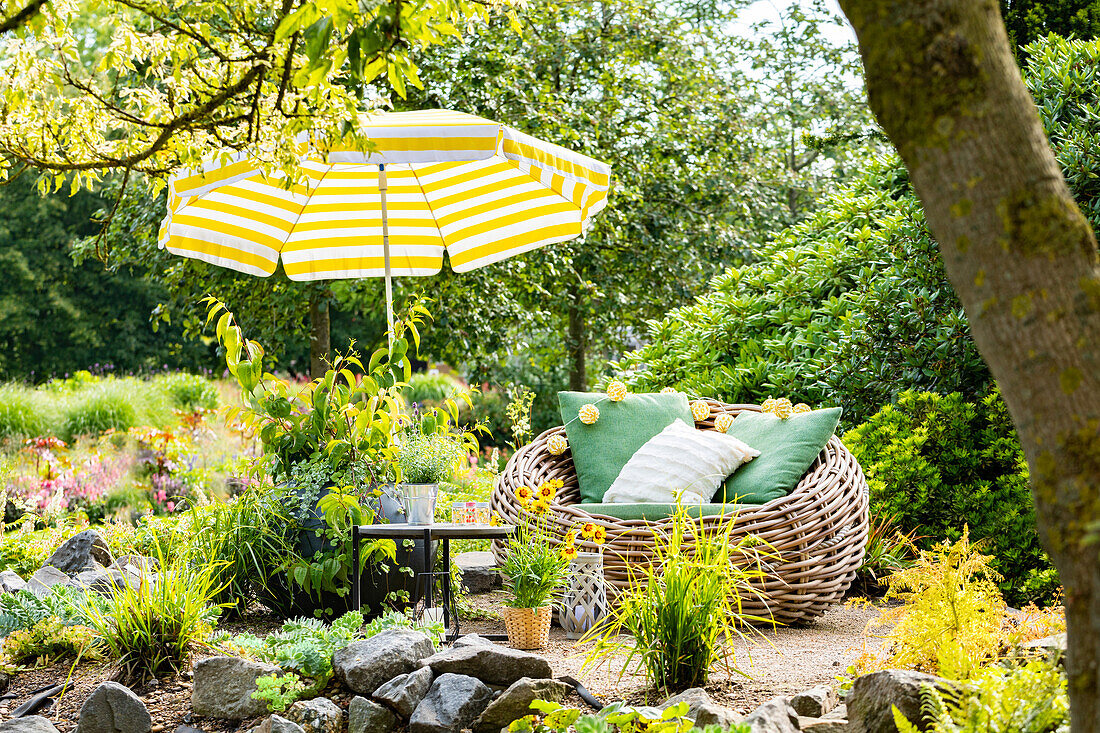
<point x="22" y="610"/>
<point x="1030" y="21"/>
<point x="888" y="551"/>
<point x="24" y="413"/>
<point x="848" y="308"/>
<point x="614" y="718"/>
<point x="1064" y="78"/>
<point x="431" y="387"/>
<point x="50" y="640"/>
<point x="188" y="392"/>
<point x="1027" y="699"/>
<point x="680" y="614"/>
<point x="428" y="458"/>
<point x="935" y="463"/>
<point x="150" y="627"/>
<point x="535" y="567"/>
<point x="279" y="691"/>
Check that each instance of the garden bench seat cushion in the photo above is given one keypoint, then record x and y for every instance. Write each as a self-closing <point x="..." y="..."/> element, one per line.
<point x="652" y="512"/>
<point x="602" y="449"/>
<point x="787" y="450"/>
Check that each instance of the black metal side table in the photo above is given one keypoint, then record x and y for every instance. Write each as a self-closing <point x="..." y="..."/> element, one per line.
<point x="442" y="531"/>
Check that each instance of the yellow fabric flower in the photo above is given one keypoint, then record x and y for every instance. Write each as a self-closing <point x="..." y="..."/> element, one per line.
<point x="768" y="405"/>
<point x="569" y="552"/>
<point x="524" y="494"/>
<point x="783" y="408"/>
<point x="668" y="390"/>
<point x="616" y="391"/>
<point x="723" y="422"/>
<point x="599" y="535"/>
<point x="589" y="414"/>
<point x="556" y="444"/>
<point x="547" y="492"/>
<point x="801" y="408"/>
<point x="700" y="410"/>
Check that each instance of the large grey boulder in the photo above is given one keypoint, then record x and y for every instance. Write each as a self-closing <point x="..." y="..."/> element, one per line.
<point x="45" y="579"/>
<point x="10" y="582"/>
<point x="823" y="725"/>
<point x="223" y="687"/>
<point x="515" y="702"/>
<point x="80" y="552"/>
<point x="319" y="715"/>
<point x="815" y="702"/>
<point x="29" y="724"/>
<point x="363" y="666"/>
<point x="490" y="663"/>
<point x="774" y="716"/>
<point x="366" y="716"/>
<point x="871" y="700"/>
<point x="104" y="581"/>
<point x="712" y="713"/>
<point x="404" y="692"/>
<point x="454" y="702"/>
<point x="113" y="708"/>
<point x="275" y="724"/>
<point x="469" y="640"/>
<point x="479" y="571"/>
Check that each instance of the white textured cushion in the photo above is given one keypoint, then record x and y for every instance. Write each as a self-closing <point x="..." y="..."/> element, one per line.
<point x="679" y="464"/>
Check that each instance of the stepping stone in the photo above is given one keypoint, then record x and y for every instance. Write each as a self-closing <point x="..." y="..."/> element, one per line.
<point x="479" y="571"/>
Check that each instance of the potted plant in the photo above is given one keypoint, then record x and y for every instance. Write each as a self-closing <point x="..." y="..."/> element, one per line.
<point x="535" y="570"/>
<point x="425" y="460"/>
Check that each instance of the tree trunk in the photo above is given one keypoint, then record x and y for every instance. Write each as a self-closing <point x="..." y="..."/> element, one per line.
<point x="319" y="337"/>
<point x="577" y="346"/>
<point x="943" y="83"/>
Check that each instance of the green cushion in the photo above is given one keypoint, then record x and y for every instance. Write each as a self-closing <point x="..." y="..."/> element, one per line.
<point x="653" y="512"/>
<point x="602" y="449"/>
<point x="787" y="449"/>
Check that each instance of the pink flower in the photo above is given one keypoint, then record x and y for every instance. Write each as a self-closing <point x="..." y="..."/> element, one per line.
<point x="162" y="495"/>
<point x="171" y="506"/>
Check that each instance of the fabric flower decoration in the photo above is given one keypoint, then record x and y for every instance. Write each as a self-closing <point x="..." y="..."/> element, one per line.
<point x="801" y="408"/>
<point x="668" y="390"/>
<point x="723" y="422"/>
<point x="589" y="414"/>
<point x="556" y="444"/>
<point x="616" y="391"/>
<point x="783" y="408"/>
<point x="524" y="494"/>
<point x="767" y="405"/>
<point x="700" y="410"/>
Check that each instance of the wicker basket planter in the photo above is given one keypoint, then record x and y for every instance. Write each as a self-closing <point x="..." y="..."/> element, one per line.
<point x="528" y="628"/>
<point x="817" y="534"/>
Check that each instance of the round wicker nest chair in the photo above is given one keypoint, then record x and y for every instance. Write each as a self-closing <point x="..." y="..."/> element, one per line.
<point x="813" y="540"/>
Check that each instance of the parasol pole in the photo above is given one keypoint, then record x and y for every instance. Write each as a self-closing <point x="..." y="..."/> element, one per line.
<point x="386" y="252"/>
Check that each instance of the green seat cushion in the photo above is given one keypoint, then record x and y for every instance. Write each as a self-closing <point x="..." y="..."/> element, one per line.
<point x="787" y="449"/>
<point x="602" y="449"/>
<point x="653" y="512"/>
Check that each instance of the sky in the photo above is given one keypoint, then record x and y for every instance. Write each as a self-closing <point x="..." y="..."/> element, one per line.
<point x="763" y="10"/>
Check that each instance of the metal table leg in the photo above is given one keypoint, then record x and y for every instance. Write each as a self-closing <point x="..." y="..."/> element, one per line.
<point x="356" y="597"/>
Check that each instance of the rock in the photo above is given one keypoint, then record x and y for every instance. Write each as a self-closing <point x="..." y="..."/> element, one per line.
<point x="774" y="716"/>
<point x="496" y="665"/>
<point x="695" y="697"/>
<point x="822" y="725"/>
<point x="454" y="702"/>
<point x="815" y="702"/>
<point x="277" y="724"/>
<point x="136" y="564"/>
<point x="319" y="715"/>
<point x="223" y="687"/>
<point x="365" y="716"/>
<point x="29" y="724"/>
<point x="104" y="581"/>
<point x="404" y="692"/>
<point x="5" y="681"/>
<point x="1048" y="644"/>
<point x="365" y="665"/>
<point x="44" y="580"/>
<point x="872" y="697"/>
<point x="79" y="552"/>
<point x="711" y="713"/>
<point x="113" y="708"/>
<point x="479" y="571"/>
<point x="10" y="582"/>
<point x="469" y="640"/>
<point x="515" y="702"/>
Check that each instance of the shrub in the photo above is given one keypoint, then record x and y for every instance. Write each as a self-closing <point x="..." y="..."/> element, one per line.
<point x="935" y="463"/>
<point x="1027" y="699"/>
<point x="24" y="414"/>
<point x="48" y="641"/>
<point x="431" y="388"/>
<point x="682" y="611"/>
<point x="614" y="718"/>
<point x="23" y="610"/>
<point x="149" y="627"/>
<point x="109" y="406"/>
<point x="188" y="392"/>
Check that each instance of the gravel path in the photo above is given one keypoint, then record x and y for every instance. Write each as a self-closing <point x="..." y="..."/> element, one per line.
<point x="776" y="661"/>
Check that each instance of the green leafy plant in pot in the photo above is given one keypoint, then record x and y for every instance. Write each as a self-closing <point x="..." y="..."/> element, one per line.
<point x="425" y="459"/>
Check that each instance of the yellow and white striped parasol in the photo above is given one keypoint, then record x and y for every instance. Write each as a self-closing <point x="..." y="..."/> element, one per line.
<point x="434" y="180"/>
